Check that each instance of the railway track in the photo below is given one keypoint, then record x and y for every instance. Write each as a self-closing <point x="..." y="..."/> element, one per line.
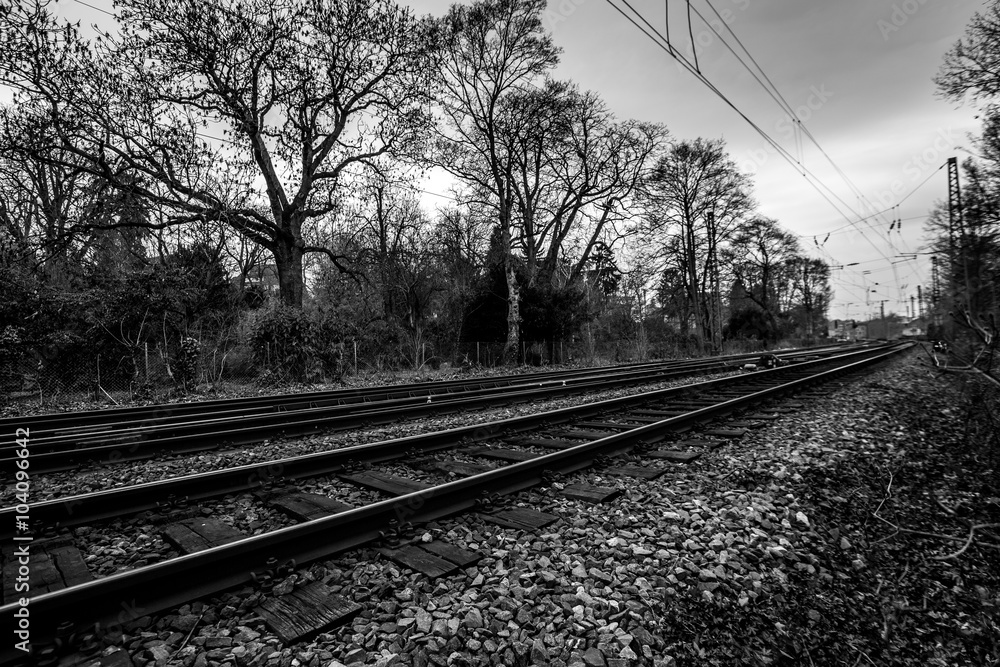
<point x="491" y="459"/>
<point x="64" y="441"/>
<point x="117" y="417"/>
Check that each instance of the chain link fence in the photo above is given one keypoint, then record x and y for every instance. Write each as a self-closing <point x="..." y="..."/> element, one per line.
<point x="144" y="374"/>
<point x="148" y="375"/>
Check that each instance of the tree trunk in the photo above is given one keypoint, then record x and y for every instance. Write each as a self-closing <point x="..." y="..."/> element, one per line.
<point x="513" y="343"/>
<point x="692" y="271"/>
<point x="288" y="262"/>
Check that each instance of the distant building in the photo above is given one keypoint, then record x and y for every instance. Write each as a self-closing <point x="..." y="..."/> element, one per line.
<point x="846" y="330"/>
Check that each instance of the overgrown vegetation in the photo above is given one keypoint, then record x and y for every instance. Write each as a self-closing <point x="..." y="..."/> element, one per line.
<point x="966" y="229"/>
<point x="165" y="187"/>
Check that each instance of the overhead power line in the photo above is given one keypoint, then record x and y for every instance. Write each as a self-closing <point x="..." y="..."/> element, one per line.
<point x="801" y="128"/>
<point x="894" y="207"/>
<point x="663" y="42"/>
<point x="825" y="191"/>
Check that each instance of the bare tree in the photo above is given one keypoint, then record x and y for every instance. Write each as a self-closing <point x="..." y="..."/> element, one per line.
<point x="810" y="290"/>
<point x="390" y="231"/>
<point x="576" y="170"/>
<point x="972" y="65"/>
<point x="698" y="197"/>
<point x="492" y="49"/>
<point x="302" y="93"/>
<point x="760" y="255"/>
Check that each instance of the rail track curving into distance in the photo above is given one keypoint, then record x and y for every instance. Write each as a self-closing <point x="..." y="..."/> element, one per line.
<point x="64" y="441"/>
<point x="514" y="454"/>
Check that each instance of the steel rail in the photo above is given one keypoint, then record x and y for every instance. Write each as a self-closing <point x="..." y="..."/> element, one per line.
<point x="197" y="436"/>
<point x="53" y="454"/>
<point x="164" y="412"/>
<point x="41" y="424"/>
<point x="119" y="598"/>
<point x="373" y="397"/>
<point x="98" y="505"/>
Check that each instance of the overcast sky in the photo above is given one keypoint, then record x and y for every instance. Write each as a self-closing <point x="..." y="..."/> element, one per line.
<point x="858" y="72"/>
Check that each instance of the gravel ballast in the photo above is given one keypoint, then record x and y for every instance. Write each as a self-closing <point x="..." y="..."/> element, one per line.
<point x="90" y="477"/>
<point x="857" y="530"/>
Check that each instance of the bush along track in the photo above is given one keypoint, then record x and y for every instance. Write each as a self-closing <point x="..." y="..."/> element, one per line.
<point x="855" y="530"/>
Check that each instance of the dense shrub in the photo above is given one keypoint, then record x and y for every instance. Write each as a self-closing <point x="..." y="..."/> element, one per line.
<point x="750" y="323"/>
<point x="186" y="363"/>
<point x="295" y="344"/>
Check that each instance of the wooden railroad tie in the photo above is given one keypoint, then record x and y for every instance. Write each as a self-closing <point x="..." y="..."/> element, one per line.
<point x="642" y="419"/>
<point x="306" y="612"/>
<point x="634" y="471"/>
<point x="503" y="454"/>
<point x="461" y="468"/>
<point x="433" y="559"/>
<point x="55" y="564"/>
<point x="390" y="484"/>
<point x="308" y="506"/>
<point x="198" y="534"/>
<point x="590" y="493"/>
<point x="611" y="426"/>
<point x="585" y="435"/>
<point x="673" y="455"/>
<point x="519" y="518"/>
<point x="744" y="424"/>
<point x="700" y="442"/>
<point x="727" y="432"/>
<point x="547" y="443"/>
<point x="696" y="404"/>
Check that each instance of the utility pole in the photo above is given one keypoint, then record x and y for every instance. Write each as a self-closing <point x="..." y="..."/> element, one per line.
<point x="913" y="307"/>
<point x="954" y="215"/>
<point x="956" y="223"/>
<point x="714" y="288"/>
<point x="885" y="325"/>
<point x="935" y="289"/>
<point x="920" y="302"/>
<point x="807" y="299"/>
